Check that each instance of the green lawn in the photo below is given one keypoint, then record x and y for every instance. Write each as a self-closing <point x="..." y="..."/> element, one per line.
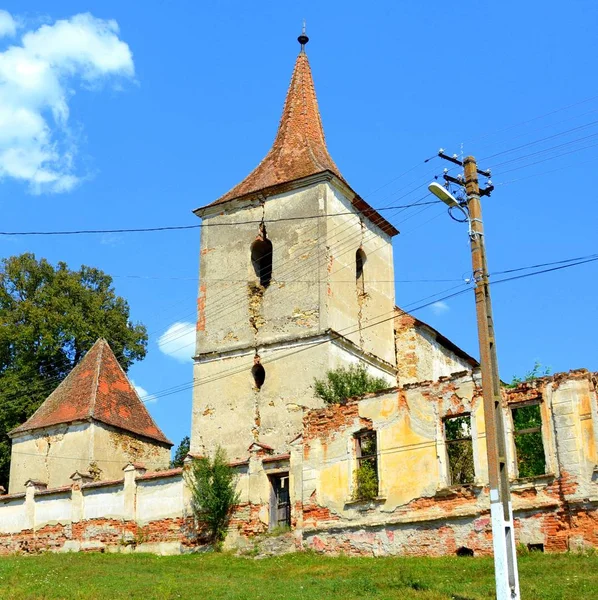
<point x="290" y="577"/>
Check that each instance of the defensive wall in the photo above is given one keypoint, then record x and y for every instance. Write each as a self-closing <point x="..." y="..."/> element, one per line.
<point x="432" y="495"/>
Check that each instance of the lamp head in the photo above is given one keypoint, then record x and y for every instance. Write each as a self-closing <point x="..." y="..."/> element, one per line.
<point x="443" y="194"/>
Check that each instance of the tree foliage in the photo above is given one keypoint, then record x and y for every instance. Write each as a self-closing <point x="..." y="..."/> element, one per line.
<point x="366" y="482"/>
<point x="50" y="317"/>
<point x="181" y="453"/>
<point x="342" y="383"/>
<point x="213" y="494"/>
<point x="459" y="450"/>
<point x="527" y="423"/>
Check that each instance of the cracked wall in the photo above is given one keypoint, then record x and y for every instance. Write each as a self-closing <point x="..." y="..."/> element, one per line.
<point x="290" y="323"/>
<point x="53" y="454"/>
<point x="417" y="511"/>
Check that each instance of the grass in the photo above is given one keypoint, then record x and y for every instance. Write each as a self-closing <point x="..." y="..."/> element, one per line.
<point x="291" y="577"/>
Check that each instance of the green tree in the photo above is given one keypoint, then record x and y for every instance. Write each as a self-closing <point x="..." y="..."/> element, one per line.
<point x="342" y="383"/>
<point x="50" y="317"/>
<point x="181" y="452"/>
<point x="213" y="494"/>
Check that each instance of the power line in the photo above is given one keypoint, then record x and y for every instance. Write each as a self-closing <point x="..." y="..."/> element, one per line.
<point x="544" y="139"/>
<point x="204" y="225"/>
<point x="576" y="260"/>
<point x="576" y="141"/>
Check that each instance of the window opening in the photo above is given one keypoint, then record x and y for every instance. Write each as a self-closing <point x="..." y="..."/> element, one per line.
<point x="366" y="476"/>
<point x="261" y="257"/>
<point x="535" y="547"/>
<point x="280" y="501"/>
<point x="464" y="551"/>
<point x="459" y="449"/>
<point x="259" y="375"/>
<point x="529" y="447"/>
<point x="360" y="259"/>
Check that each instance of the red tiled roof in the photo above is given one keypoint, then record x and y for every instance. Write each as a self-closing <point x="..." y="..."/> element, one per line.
<point x="299" y="149"/>
<point x="278" y="457"/>
<point x="160" y="474"/>
<point x="264" y="446"/>
<point x="97" y="388"/>
<point x="106" y="483"/>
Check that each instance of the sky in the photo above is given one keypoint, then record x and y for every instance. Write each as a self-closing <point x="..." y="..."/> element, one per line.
<point x="131" y="114"/>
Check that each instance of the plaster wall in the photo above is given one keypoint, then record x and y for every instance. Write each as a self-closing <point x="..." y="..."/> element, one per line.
<point x="365" y="318"/>
<point x="13" y="515"/>
<point x="289" y="326"/>
<point x="106" y="502"/>
<point x="55" y="508"/>
<point x="115" y="448"/>
<point x="228" y="409"/>
<point x="234" y="311"/>
<point x="160" y="499"/>
<point x="435" y="360"/>
<point x="420" y="356"/>
<point x="51" y="455"/>
<point x="414" y="484"/>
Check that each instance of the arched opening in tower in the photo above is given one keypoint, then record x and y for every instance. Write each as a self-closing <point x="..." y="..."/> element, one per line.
<point x="261" y="259"/>
<point x="360" y="259"/>
<point x="259" y="375"/>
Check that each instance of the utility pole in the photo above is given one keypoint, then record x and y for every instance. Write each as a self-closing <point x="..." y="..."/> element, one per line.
<point x="503" y="533"/>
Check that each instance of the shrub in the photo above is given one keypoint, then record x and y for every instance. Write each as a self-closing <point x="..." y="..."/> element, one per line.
<point x="213" y="494"/>
<point x="342" y="383"/>
<point x="537" y="371"/>
<point x="366" y="482"/>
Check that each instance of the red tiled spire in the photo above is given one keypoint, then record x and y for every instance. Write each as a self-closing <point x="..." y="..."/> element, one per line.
<point x="97" y="388"/>
<point x="299" y="149"/>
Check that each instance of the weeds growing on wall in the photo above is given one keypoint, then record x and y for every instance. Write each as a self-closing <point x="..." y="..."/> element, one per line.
<point x="342" y="383"/>
<point x="366" y="482"/>
<point x="213" y="494"/>
<point x="537" y="371"/>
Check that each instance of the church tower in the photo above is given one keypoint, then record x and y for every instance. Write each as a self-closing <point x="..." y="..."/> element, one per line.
<point x="295" y="278"/>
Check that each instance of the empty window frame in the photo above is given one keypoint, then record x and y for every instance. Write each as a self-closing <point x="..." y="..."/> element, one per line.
<point x="261" y="259"/>
<point x="360" y="259"/>
<point x="459" y="449"/>
<point x="366" y="475"/>
<point x="529" y="446"/>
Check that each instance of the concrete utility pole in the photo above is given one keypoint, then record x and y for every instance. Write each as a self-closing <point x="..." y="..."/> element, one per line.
<point x="503" y="533"/>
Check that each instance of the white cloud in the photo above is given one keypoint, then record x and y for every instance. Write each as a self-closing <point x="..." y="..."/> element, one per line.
<point x="439" y="308"/>
<point x="8" y="27"/>
<point x="36" y="82"/>
<point x="145" y="396"/>
<point x="178" y="341"/>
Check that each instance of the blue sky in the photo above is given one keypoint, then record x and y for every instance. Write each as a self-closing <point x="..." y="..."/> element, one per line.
<point x="174" y="102"/>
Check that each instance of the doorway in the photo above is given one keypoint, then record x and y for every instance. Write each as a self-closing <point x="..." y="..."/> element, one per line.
<point x="280" y="501"/>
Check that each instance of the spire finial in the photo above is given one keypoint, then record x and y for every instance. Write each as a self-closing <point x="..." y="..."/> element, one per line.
<point x="303" y="39"/>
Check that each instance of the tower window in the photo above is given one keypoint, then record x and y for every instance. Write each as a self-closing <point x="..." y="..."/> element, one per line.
<point x="259" y="375"/>
<point x="360" y="259"/>
<point x="261" y="259"/>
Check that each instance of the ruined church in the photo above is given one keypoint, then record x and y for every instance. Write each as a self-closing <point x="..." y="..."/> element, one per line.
<point x="296" y="279"/>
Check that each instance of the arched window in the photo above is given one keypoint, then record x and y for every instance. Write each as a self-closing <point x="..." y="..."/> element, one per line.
<point x="360" y="259"/>
<point x="259" y="375"/>
<point x="261" y="258"/>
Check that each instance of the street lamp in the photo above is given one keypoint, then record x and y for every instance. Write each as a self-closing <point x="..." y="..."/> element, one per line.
<point x="501" y="512"/>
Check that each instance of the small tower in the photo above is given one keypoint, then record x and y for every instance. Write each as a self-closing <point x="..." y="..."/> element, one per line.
<point x="93" y="422"/>
<point x="296" y="278"/>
